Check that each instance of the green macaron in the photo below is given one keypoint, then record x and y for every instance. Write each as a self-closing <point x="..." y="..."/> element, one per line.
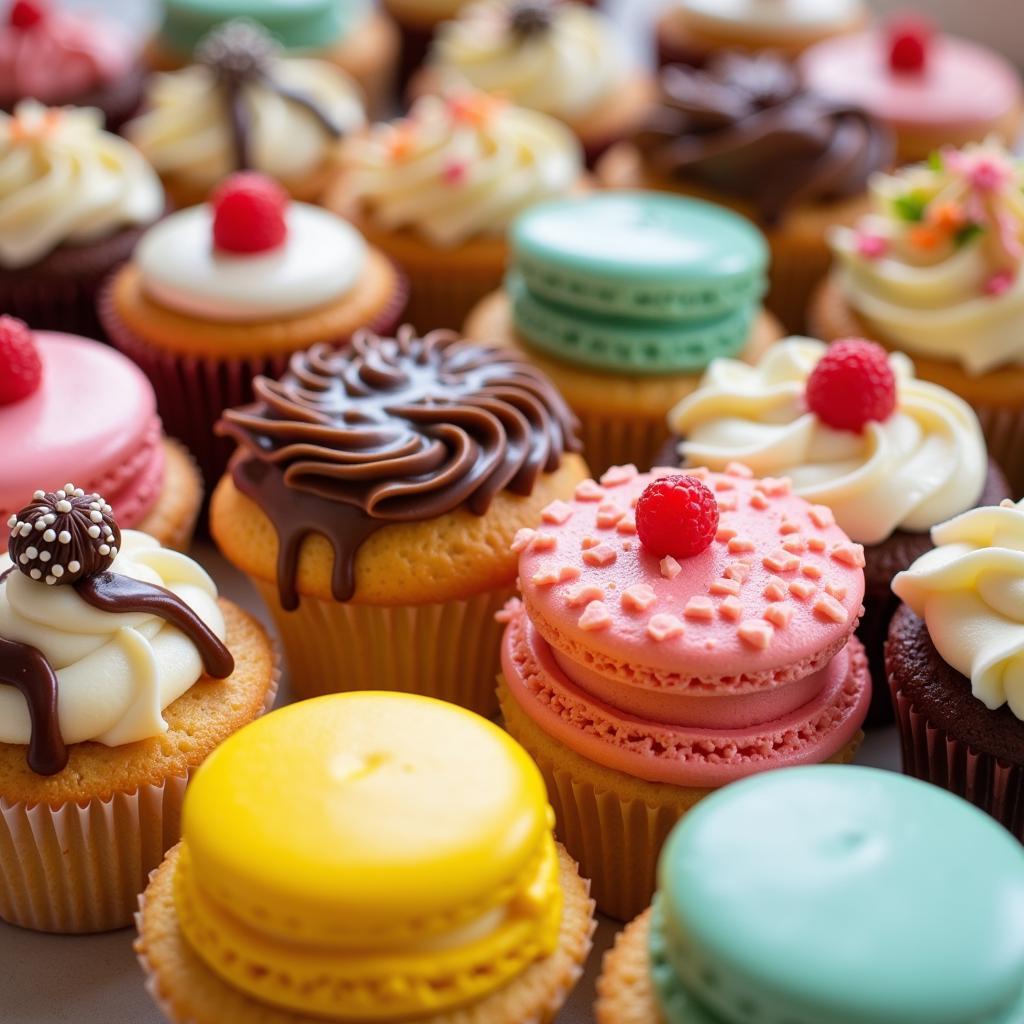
<point x="843" y="895"/>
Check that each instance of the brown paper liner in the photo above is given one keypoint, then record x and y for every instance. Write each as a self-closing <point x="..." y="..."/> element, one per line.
<point x="1004" y="435"/>
<point x="448" y="650"/>
<point x="192" y="392"/>
<point x="611" y="441"/>
<point x="931" y="754"/>
<point x="79" y="868"/>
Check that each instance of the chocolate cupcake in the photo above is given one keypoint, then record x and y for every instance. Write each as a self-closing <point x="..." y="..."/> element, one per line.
<point x="955" y="660"/>
<point x="885" y="454"/>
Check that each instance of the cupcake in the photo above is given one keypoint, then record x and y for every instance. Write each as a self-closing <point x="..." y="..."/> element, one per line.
<point x="955" y="660"/>
<point x="857" y="432"/>
<point x="349" y="34"/>
<point x="689" y="31"/>
<point x="677" y="633"/>
<point x="935" y="270"/>
<point x="744" y="133"/>
<point x="243" y="106"/>
<point x="64" y="58"/>
<point x="566" y="60"/>
<point x="231" y="288"/>
<point x="373" y="500"/>
<point x="622" y="299"/>
<point x="931" y="89"/>
<point x="73" y="201"/>
<point x="835" y="894"/>
<point x="107" y="433"/>
<point x="397" y="865"/>
<point x="122" y="671"/>
<point x="438" y="189"/>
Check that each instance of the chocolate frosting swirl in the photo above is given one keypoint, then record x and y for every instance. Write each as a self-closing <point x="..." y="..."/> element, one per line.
<point x="745" y="125"/>
<point x="391" y="430"/>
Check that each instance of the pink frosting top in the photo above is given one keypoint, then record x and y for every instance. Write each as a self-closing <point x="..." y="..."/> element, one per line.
<point x="962" y="88"/>
<point x="61" y="57"/>
<point x="102" y="437"/>
<point x="699" y="671"/>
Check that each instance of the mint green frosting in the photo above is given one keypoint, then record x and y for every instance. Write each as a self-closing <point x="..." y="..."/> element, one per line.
<point x="843" y="895"/>
<point x="296" y="24"/>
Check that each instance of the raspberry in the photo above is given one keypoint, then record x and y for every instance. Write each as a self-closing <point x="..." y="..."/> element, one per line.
<point x="20" y="367"/>
<point x="852" y="384"/>
<point x="26" y="13"/>
<point x="676" y="515"/>
<point x="909" y="41"/>
<point x="248" y="213"/>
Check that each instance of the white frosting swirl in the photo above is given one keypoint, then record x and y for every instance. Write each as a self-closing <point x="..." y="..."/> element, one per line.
<point x="65" y="181"/>
<point x="566" y="69"/>
<point x="460" y="168"/>
<point x="321" y="259"/>
<point x="115" y="672"/>
<point x="817" y="15"/>
<point x="925" y="463"/>
<point x="186" y="131"/>
<point x="970" y="591"/>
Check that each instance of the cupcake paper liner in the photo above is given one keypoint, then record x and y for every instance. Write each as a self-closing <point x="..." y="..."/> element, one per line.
<point x="611" y="441"/>
<point x="442" y="294"/>
<point x="449" y="650"/>
<point x="1004" y="435"/>
<point x="54" y="305"/>
<point x="78" y="868"/>
<point x="796" y="269"/>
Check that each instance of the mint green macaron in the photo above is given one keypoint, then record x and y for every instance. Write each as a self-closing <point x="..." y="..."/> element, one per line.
<point x="635" y="282"/>
<point x="843" y="895"/>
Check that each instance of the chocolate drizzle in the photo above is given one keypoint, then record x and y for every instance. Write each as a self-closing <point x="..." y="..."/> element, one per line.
<point x="745" y="125"/>
<point x="391" y="430"/>
<point x="529" y="18"/>
<point x="241" y="53"/>
<point x="24" y="668"/>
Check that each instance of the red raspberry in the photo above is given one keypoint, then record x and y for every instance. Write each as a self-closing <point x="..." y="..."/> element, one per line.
<point x="910" y="38"/>
<point x="852" y="384"/>
<point x="20" y="367"/>
<point x="26" y="13"/>
<point x="248" y="213"/>
<point x="676" y="515"/>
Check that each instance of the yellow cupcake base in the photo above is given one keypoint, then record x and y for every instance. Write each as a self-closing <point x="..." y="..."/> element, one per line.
<point x="625" y="992"/>
<point x="172" y="520"/>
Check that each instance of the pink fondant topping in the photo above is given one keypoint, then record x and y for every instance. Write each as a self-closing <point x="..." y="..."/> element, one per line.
<point x="812" y="570"/>
<point x="794" y="544"/>
<point x="737" y="545"/>
<point x="595" y="616"/>
<point x="731" y="608"/>
<point x="583" y="593"/>
<point x="816" y="543"/>
<point x="522" y="539"/>
<point x="781" y="561"/>
<point x="756" y="633"/>
<point x="664" y="627"/>
<point x="759" y="500"/>
<point x="669" y="567"/>
<point x="627" y="524"/>
<point x="779" y="614"/>
<point x="738" y="570"/>
<point x="802" y="589"/>
<point x="836" y="590"/>
<point x="775" y="589"/>
<point x="789" y="526"/>
<point x="821" y="516"/>
<point x="602" y="554"/>
<point x="849" y="554"/>
<point x="557" y="512"/>
<point x="725" y="586"/>
<point x="829" y="608"/>
<point x="702" y="608"/>
<point x="608" y="514"/>
<point x="726" y="502"/>
<point x="617" y="475"/>
<point x="542" y="541"/>
<point x="588" y="490"/>
<point x="638" y="598"/>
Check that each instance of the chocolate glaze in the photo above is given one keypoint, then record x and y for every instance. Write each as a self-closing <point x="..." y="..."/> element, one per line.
<point x="391" y="430"/>
<point x="745" y="125"/>
<point x="24" y="668"/>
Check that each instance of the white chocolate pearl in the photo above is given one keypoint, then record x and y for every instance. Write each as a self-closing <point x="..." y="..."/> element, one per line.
<point x="49" y="536"/>
<point x="74" y="566"/>
<point x="57" y="570"/>
<point x="64" y="537"/>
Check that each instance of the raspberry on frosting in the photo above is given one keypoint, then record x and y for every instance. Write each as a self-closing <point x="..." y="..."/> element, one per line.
<point x="21" y="369"/>
<point x="26" y="14"/>
<point x="852" y="385"/>
<point x="909" y="39"/>
<point x="249" y="214"/>
<point x="676" y="515"/>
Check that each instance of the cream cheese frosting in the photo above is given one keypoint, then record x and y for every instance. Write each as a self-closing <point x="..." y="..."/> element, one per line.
<point x="116" y="672"/>
<point x="567" y="66"/>
<point x="925" y="463"/>
<point x="969" y="589"/>
<point x="936" y="267"/>
<point x="321" y="259"/>
<point x="65" y="181"/>
<point x="461" y="167"/>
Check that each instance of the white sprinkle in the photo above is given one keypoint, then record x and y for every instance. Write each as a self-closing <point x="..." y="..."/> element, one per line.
<point x="32" y="551"/>
<point x="64" y="506"/>
<point x="50" y="581"/>
<point x="94" y="532"/>
<point x="104" y="549"/>
<point x="96" y="516"/>
<point x="23" y="558"/>
<point x="61" y="494"/>
<point x="107" y="509"/>
<point x="113" y="552"/>
<point x="38" y="495"/>
<point x="49" y="519"/>
<point x="69" y="488"/>
<point x="74" y="566"/>
<point x="44" y="556"/>
<point x="64" y="537"/>
<point x="26" y="529"/>
<point x="57" y="570"/>
<point x="40" y="524"/>
<point x="49" y="536"/>
<point x="36" y="574"/>
<point x="13" y="521"/>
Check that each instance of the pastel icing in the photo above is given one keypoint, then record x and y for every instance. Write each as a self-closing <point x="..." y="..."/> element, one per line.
<point x="901" y="903"/>
<point x="969" y="589"/>
<point x="772" y="15"/>
<point x="923" y="464"/>
<point x="635" y="282"/>
<point x="460" y="168"/>
<point x="320" y="261"/>
<point x="936" y="267"/>
<point x="65" y="181"/>
<point x="116" y="672"/>
<point x="107" y="435"/>
<point x="693" y="672"/>
<point x="399" y="861"/>
<point x="566" y="66"/>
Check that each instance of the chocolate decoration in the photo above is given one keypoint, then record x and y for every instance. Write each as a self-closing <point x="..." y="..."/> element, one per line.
<point x="24" y="668"/>
<point x="745" y="125"/>
<point x="529" y="18"/>
<point x="118" y="594"/>
<point x="63" y="536"/>
<point x="391" y="430"/>
<point x="242" y="53"/>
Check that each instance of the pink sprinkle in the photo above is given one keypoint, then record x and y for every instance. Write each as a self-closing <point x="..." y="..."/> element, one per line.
<point x="558" y="512"/>
<point x="999" y="283"/>
<point x="795" y="545"/>
<point x="725" y="586"/>
<point x="812" y="570"/>
<point x="780" y="561"/>
<point x="725" y="533"/>
<point x="721" y="484"/>
<point x="816" y="543"/>
<point x="776" y="487"/>
<point x="627" y="545"/>
<point x="779" y="614"/>
<point x="836" y="590"/>
<point x="569" y="572"/>
<point x="737" y="545"/>
<point x="739" y="469"/>
<point x="589" y="542"/>
<point x="801" y="588"/>
<point x="871" y="247"/>
<point x="829" y="608"/>
<point x="987" y="174"/>
<point x="821" y="516"/>
<point x="522" y="538"/>
<point x="455" y="172"/>
<point x="710" y="644"/>
<point x="583" y="593"/>
<point x="726" y="502"/>
<point x="849" y="554"/>
<point x="545" y="578"/>
<point x="616" y="475"/>
<point x="669" y="567"/>
<point x="789" y="526"/>
<point x="664" y="627"/>
<point x="759" y="500"/>
<point x="775" y="589"/>
<point x="588" y="490"/>
<point x="738" y="570"/>
<point x="608" y="514"/>
<point x="638" y="598"/>
<point x="595" y="616"/>
<point x="512" y="607"/>
<point x="627" y="524"/>
<point x="756" y="633"/>
<point x="700" y="608"/>
<point x="603" y="554"/>
<point x="660" y="472"/>
<point x="731" y="608"/>
<point x="543" y="542"/>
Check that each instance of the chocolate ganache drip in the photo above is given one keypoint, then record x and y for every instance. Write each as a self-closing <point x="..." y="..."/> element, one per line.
<point x="391" y="430"/>
<point x="68" y="537"/>
<point x="745" y="125"/>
